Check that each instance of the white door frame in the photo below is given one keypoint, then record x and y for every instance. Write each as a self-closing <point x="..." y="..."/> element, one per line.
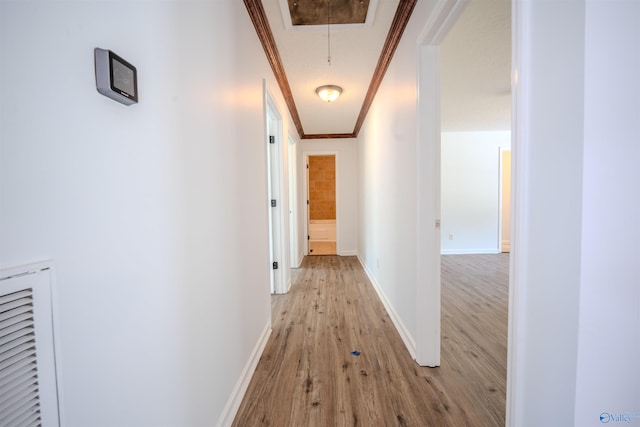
<point x="442" y="19"/>
<point x="305" y="156"/>
<point x="294" y="240"/>
<point x="278" y="219"/>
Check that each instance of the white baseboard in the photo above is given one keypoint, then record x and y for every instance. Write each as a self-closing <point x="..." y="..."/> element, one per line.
<point x="408" y="340"/>
<point x="469" y="251"/>
<point x="347" y="253"/>
<point x="233" y="404"/>
<point x="300" y="259"/>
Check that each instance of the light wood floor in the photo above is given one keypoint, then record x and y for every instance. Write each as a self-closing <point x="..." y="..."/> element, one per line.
<point x="307" y="375"/>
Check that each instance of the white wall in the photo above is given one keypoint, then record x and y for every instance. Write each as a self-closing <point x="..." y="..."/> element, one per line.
<point x="155" y="214"/>
<point x="470" y="166"/>
<point x="609" y="324"/>
<point x="574" y="319"/>
<point x="387" y="240"/>
<point x="346" y="151"/>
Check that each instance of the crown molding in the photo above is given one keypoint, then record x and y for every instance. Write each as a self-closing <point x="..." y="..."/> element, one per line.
<point x="261" y="24"/>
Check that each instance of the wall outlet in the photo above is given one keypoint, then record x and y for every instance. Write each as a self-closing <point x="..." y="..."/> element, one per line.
<point x="450" y="236"/>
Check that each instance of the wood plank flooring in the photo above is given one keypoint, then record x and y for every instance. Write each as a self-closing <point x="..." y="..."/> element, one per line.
<point x="308" y="376"/>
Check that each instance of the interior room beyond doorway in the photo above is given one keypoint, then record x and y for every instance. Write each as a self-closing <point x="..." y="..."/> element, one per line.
<point x="321" y="210"/>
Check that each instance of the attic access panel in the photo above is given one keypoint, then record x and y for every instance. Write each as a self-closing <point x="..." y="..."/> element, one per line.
<point x="315" y="12"/>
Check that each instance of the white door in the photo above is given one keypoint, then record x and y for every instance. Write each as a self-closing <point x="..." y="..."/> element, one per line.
<point x="274" y="201"/>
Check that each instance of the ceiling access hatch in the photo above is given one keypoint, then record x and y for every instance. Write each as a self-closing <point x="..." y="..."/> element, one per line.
<point x="334" y="12"/>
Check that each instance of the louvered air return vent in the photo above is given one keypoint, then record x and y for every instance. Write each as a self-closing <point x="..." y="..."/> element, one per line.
<point x="28" y="395"/>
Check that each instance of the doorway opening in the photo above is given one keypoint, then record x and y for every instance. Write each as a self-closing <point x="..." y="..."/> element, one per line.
<point x="475" y="196"/>
<point x="321" y="204"/>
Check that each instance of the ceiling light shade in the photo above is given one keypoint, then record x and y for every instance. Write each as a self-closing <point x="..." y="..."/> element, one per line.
<point x="329" y="93"/>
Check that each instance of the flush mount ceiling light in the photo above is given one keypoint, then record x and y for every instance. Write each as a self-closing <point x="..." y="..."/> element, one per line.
<point x="329" y="93"/>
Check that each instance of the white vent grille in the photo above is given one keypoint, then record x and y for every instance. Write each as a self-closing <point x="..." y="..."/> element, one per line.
<point x="19" y="402"/>
<point x="28" y="388"/>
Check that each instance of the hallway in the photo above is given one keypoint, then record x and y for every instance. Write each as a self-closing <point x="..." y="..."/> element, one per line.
<point x="308" y="375"/>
